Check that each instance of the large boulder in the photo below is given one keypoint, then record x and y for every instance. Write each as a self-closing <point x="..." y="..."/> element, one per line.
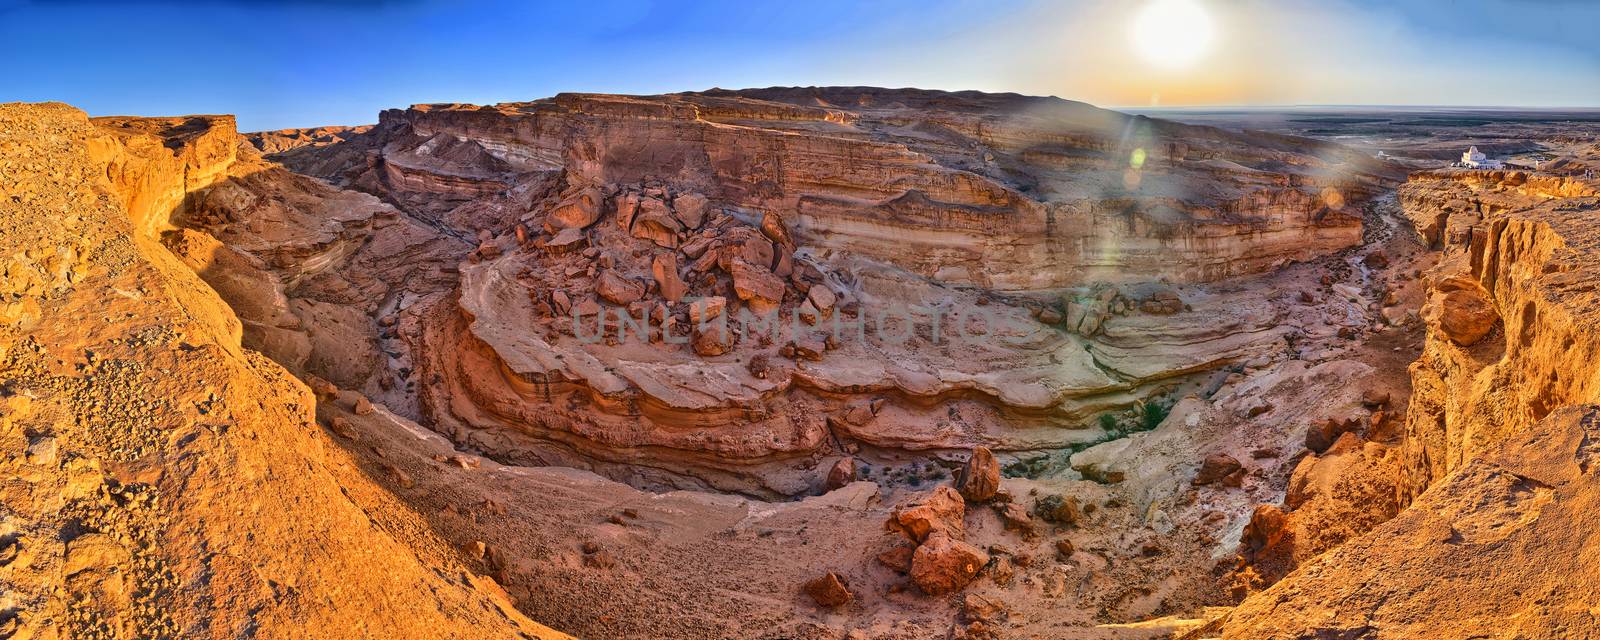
<point x="1215" y="468"/>
<point x="941" y="511"/>
<point x="664" y="268"/>
<point x="654" y="222"/>
<point x="829" y="590"/>
<point x="943" y="564"/>
<point x="706" y="309"/>
<point x="578" y="210"/>
<point x="618" y="289"/>
<point x="842" y="473"/>
<point x="712" y="340"/>
<point x="979" y="480"/>
<point x="756" y="285"/>
<point x="690" y="208"/>
<point x="1461" y="311"/>
<point x="1163" y="302"/>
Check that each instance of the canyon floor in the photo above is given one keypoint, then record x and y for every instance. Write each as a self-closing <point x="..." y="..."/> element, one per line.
<point x="1100" y="375"/>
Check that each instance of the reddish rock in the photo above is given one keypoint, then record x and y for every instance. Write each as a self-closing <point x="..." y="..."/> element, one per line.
<point x="617" y="289"/>
<point x="1323" y="434"/>
<point x="362" y="406"/>
<point x="567" y="241"/>
<point x="898" y="558"/>
<point x="1461" y="311"/>
<point x="664" y="268"/>
<point x="842" y="473"/>
<point x="1216" y="467"/>
<point x="822" y="298"/>
<point x="943" y="564"/>
<point x="980" y="478"/>
<point x="706" y="309"/>
<point x="829" y="590"/>
<point x="941" y="511"/>
<point x="690" y="209"/>
<point x="756" y="285"/>
<point x="578" y="210"/>
<point x="712" y="340"/>
<point x="1162" y="303"/>
<point x="1015" y="516"/>
<point x="654" y="222"/>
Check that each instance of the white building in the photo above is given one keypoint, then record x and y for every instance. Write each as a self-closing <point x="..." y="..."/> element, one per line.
<point x="1475" y="159"/>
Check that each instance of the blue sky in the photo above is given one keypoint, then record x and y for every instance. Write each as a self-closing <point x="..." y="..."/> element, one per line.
<point x="306" y="62"/>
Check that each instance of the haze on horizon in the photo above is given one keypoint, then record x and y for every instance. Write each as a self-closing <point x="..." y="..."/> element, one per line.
<point x="298" y="63"/>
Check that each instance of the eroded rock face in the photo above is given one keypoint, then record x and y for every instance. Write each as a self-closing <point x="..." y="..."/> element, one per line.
<point x="982" y="195"/>
<point x="821" y="209"/>
<point x="193" y="462"/>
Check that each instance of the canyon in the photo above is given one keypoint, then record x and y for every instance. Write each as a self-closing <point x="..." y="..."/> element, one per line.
<point x="837" y="362"/>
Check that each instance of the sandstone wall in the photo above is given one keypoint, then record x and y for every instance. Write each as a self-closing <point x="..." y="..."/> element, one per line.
<point x="1529" y="249"/>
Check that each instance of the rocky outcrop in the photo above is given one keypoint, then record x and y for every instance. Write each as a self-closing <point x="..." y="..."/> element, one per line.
<point x="1495" y="473"/>
<point x="175" y="483"/>
<point x="1520" y="257"/>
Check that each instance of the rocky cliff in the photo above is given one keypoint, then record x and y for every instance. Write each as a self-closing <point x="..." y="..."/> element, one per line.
<point x="1498" y="461"/>
<point x="966" y="188"/>
<point x="163" y="481"/>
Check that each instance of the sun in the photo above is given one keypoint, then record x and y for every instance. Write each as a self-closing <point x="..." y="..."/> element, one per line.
<point x="1172" y="34"/>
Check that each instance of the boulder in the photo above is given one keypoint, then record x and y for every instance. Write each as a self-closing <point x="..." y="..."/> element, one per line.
<point x="690" y="209"/>
<point x="617" y="289"/>
<point x="898" y="559"/>
<point x="1323" y="434"/>
<point x="1016" y="518"/>
<point x="842" y="473"/>
<point x="941" y="511"/>
<point x="712" y="340"/>
<point x="655" y="222"/>
<point x="706" y="309"/>
<point x="756" y="250"/>
<point x="1061" y="510"/>
<point x="567" y="241"/>
<point x="1460" y="310"/>
<point x="627" y="206"/>
<point x="828" y="590"/>
<point x="1216" y="467"/>
<point x="578" y="210"/>
<point x="756" y="285"/>
<point x="943" y="564"/>
<point x="822" y="298"/>
<point x="979" y="480"/>
<point x="1163" y="302"/>
<point x="664" y="268"/>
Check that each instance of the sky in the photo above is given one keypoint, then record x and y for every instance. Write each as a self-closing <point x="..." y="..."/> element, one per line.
<point x="301" y="63"/>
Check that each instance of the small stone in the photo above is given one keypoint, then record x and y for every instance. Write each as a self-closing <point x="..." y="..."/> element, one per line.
<point x="362" y="406"/>
<point x="1215" y="467"/>
<point x="842" y="473"/>
<point x="42" y="451"/>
